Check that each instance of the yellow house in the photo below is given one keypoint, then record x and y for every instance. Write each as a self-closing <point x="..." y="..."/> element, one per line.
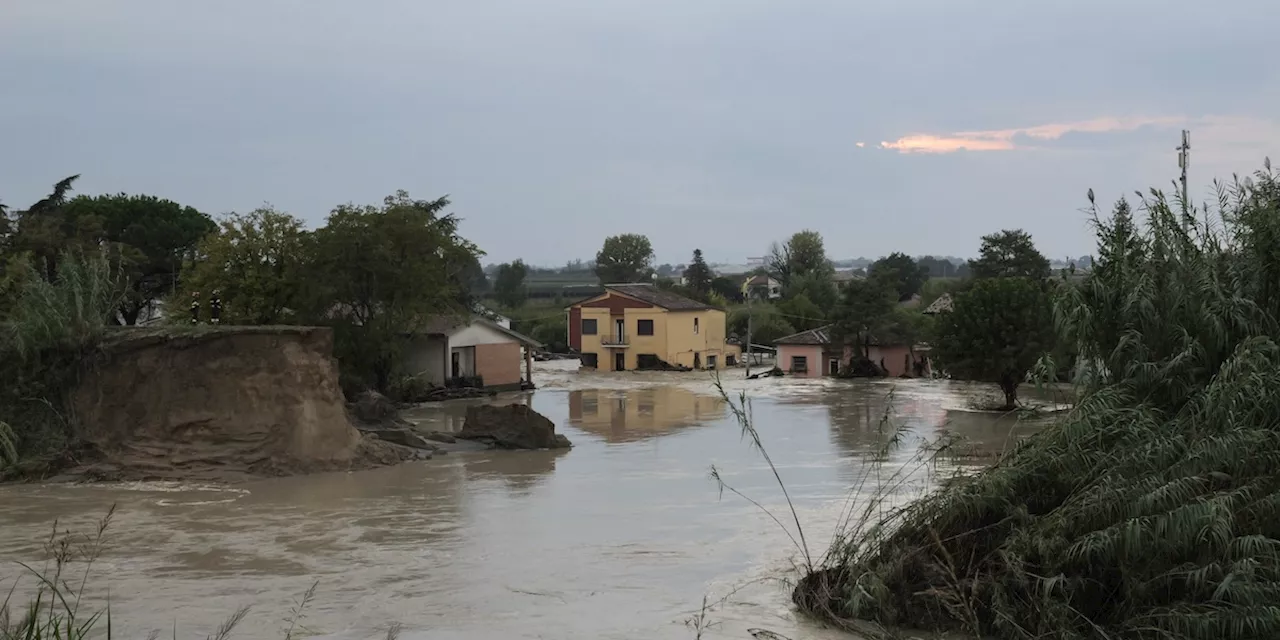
<point x="638" y="326"/>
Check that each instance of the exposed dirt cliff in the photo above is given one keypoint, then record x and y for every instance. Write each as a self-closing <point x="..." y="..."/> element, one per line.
<point x="219" y="402"/>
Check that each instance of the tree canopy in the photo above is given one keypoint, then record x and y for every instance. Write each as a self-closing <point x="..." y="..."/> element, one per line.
<point x="865" y="306"/>
<point x="151" y="238"/>
<point x="698" y="276"/>
<point x="996" y="332"/>
<point x="802" y="254"/>
<point x="625" y="258"/>
<point x="1009" y="254"/>
<point x="509" y="287"/>
<point x="902" y="272"/>
<point x="383" y="272"/>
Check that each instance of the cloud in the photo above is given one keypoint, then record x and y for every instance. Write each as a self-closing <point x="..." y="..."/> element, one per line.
<point x="1010" y="139"/>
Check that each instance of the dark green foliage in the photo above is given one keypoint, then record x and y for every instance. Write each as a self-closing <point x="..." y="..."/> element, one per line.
<point x="258" y="262"/>
<point x="698" y="276"/>
<point x="151" y="238"/>
<point x="865" y="308"/>
<point x="727" y="288"/>
<point x="49" y="333"/>
<point x="802" y="254"/>
<point x="380" y="273"/>
<point x="508" y="287"/>
<point x="768" y="324"/>
<point x="802" y="313"/>
<point x="1153" y="509"/>
<point x="937" y="267"/>
<point x="817" y="286"/>
<point x="625" y="258"/>
<point x="1009" y="254"/>
<point x="997" y="331"/>
<point x="902" y="272"/>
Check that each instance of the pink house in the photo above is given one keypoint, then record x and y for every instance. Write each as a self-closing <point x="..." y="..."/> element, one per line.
<point x="813" y="354"/>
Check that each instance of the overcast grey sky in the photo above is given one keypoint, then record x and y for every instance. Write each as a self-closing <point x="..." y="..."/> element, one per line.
<point x="719" y="124"/>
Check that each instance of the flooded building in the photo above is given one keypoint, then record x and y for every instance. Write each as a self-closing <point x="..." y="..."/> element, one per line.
<point x="637" y="326"/>
<point x="469" y="348"/>
<point x="814" y="353"/>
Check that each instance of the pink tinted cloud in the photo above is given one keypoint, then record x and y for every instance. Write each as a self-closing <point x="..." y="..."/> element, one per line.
<point x="1004" y="139"/>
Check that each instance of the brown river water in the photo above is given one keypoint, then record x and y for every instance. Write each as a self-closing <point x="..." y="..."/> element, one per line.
<point x="620" y="537"/>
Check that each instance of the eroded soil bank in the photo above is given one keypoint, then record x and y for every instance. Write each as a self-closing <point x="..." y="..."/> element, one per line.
<point x="218" y="403"/>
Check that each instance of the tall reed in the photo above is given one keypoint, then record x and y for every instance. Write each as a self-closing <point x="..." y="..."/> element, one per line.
<point x="1152" y="510"/>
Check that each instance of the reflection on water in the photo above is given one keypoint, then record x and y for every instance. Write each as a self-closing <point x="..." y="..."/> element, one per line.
<point x="617" y="537"/>
<point x="624" y="415"/>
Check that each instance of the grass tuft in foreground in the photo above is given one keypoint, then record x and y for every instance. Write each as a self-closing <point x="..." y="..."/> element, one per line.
<point x="1153" y="509"/>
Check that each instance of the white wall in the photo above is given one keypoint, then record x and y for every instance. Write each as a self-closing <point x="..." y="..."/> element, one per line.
<point x="427" y="356"/>
<point x="476" y="333"/>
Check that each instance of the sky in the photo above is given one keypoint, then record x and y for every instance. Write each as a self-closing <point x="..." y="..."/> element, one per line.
<point x="886" y="125"/>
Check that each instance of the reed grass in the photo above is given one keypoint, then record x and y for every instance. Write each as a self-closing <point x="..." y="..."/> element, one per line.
<point x="1152" y="510"/>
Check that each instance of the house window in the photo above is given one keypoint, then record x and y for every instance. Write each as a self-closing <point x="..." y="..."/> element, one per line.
<point x="729" y="361"/>
<point x="711" y="362"/>
<point x="695" y="325"/>
<point x="590" y="360"/>
<point x="644" y="327"/>
<point x="589" y="327"/>
<point x="799" y="364"/>
<point x="647" y="361"/>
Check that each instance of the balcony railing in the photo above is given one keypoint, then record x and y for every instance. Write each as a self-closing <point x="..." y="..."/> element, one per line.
<point x="616" y="340"/>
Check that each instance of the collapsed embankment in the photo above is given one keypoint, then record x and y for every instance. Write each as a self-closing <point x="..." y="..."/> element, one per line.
<point x="218" y="403"/>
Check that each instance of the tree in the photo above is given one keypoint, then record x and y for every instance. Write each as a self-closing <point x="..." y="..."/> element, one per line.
<point x="904" y="274"/>
<point x="937" y="267"/>
<point x="45" y="231"/>
<point x="384" y="272"/>
<point x="802" y="313"/>
<point x="151" y="238"/>
<point x="509" y="287"/>
<point x="996" y="332"/>
<point x="864" y="307"/>
<point x="818" y="286"/>
<point x="802" y="254"/>
<point x="257" y="262"/>
<point x="1009" y="254"/>
<point x="767" y="324"/>
<point x="625" y="258"/>
<point x="727" y="288"/>
<point x="698" y="276"/>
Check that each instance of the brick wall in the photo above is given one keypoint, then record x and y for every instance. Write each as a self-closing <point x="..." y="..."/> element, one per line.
<point x="499" y="364"/>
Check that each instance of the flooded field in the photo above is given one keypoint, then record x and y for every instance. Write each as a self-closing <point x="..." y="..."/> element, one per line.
<point x="619" y="537"/>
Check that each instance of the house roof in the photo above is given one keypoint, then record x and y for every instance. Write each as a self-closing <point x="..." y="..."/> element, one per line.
<point x="658" y="297"/>
<point x="943" y="304"/>
<point x="758" y="279"/>
<point x="819" y="336"/>
<point x="447" y="325"/>
<point x="516" y="335"/>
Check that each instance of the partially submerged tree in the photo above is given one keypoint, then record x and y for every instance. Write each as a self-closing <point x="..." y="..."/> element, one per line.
<point x="625" y="258"/>
<point x="996" y="332"/>
<point x="865" y="307"/>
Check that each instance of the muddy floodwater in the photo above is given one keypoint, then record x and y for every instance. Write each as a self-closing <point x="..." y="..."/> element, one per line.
<point x="619" y="537"/>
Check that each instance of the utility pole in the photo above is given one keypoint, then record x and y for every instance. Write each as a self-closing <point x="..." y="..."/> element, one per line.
<point x="1184" y="161"/>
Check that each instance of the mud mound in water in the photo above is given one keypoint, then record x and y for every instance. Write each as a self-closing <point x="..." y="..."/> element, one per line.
<point x="219" y="402"/>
